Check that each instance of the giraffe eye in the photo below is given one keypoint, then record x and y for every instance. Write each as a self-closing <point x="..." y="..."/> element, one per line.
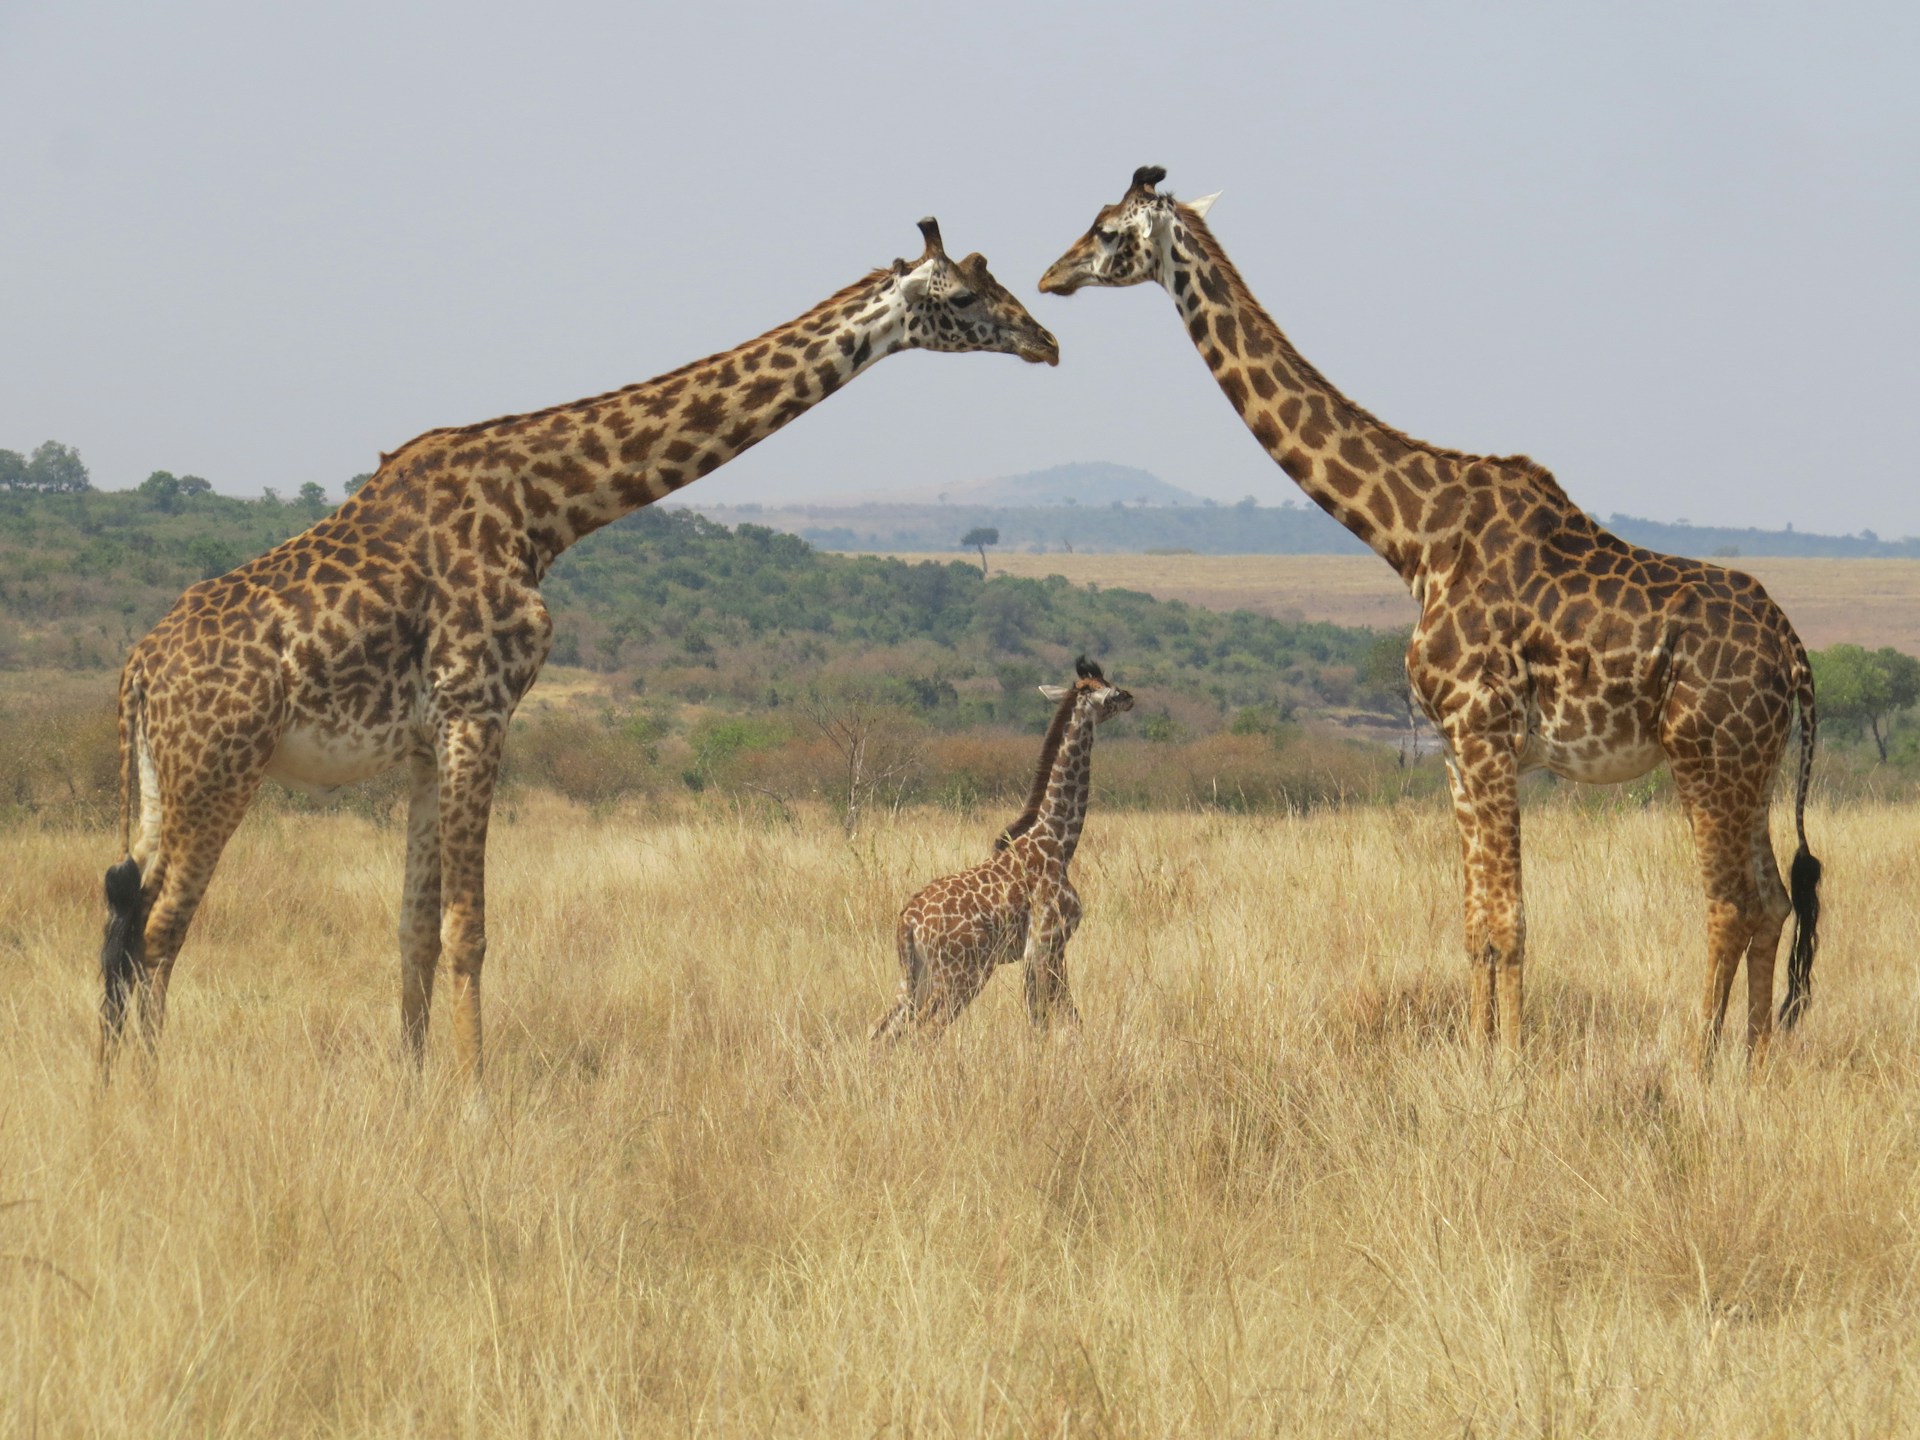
<point x="1107" y="237"/>
<point x="960" y="299"/>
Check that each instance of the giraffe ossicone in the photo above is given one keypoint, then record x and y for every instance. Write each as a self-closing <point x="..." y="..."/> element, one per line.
<point x="1543" y="642"/>
<point x="1018" y="904"/>
<point x="405" y="627"/>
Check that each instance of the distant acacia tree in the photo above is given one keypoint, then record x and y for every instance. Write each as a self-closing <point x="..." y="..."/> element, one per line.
<point x="168" y="492"/>
<point x="313" y="496"/>
<point x="1861" y="689"/>
<point x="163" y="489"/>
<point x="53" y="468"/>
<point x="979" y="538"/>
<point x="1383" y="684"/>
<point x="56" y="468"/>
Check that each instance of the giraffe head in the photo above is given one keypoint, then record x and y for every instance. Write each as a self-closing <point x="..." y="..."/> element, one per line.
<point x="957" y="305"/>
<point x="1091" y="693"/>
<point x="1090" y="697"/>
<point x="1129" y="241"/>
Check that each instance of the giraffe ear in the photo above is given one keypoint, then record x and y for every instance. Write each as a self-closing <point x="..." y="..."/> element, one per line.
<point x="913" y="277"/>
<point x="1201" y="206"/>
<point x="1055" y="693"/>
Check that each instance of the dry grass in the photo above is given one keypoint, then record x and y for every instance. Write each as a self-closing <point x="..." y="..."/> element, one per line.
<point x="1266" y="1190"/>
<point x="1860" y="602"/>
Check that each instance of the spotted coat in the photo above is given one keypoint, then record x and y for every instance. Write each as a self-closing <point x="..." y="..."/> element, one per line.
<point x="1543" y="641"/>
<point x="1017" y="905"/>
<point x="405" y="627"/>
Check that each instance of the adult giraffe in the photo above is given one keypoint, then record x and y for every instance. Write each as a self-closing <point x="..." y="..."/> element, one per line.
<point x="1544" y="642"/>
<point x="406" y="626"/>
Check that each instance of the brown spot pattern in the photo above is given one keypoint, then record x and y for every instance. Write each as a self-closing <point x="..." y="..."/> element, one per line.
<point x="1543" y="641"/>
<point x="405" y="627"/>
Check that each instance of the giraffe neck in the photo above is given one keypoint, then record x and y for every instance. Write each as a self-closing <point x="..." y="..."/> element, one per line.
<point x="1401" y="498"/>
<point x="1064" y="811"/>
<point x="573" y="468"/>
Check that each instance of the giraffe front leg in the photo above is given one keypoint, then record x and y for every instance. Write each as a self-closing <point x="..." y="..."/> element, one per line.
<point x="1054" y="920"/>
<point x="420" y="907"/>
<point x="1484" y="777"/>
<point x="468" y="762"/>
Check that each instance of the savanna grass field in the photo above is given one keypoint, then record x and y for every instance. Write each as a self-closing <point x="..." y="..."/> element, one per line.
<point x="1266" y="1188"/>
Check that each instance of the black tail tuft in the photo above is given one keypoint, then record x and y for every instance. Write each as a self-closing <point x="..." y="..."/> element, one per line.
<point x="119" y="952"/>
<point x="1803" y="885"/>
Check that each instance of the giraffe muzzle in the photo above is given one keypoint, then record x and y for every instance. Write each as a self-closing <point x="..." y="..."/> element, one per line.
<point x="1062" y="278"/>
<point x="1040" y="347"/>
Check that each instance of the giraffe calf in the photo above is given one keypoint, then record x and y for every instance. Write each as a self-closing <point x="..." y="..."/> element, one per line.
<point x="1019" y="903"/>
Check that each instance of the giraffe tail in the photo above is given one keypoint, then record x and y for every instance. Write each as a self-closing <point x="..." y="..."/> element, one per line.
<point x="126" y="904"/>
<point x="1803" y="878"/>
<point x="124" y="926"/>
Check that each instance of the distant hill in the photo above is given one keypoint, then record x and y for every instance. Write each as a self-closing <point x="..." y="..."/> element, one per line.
<point x="1098" y="507"/>
<point x="1708" y="542"/>
<point x="1094" y="482"/>
<point x="1206" y="528"/>
<point x="1083" y="482"/>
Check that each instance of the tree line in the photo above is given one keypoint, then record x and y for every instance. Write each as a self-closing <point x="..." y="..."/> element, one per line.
<point x="739" y="611"/>
<point x="52" y="469"/>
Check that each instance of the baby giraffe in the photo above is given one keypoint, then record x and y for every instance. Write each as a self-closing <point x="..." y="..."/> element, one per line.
<point x="1019" y="903"/>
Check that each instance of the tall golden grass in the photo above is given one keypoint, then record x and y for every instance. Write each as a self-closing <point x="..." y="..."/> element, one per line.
<point x="1265" y="1190"/>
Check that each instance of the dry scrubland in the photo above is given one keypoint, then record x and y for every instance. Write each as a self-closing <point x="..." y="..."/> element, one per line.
<point x="1265" y="1191"/>
<point x="1859" y="602"/>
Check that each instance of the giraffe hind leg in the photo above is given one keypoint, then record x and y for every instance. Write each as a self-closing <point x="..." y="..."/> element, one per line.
<point x="888" y="1029"/>
<point x="189" y="868"/>
<point x="200" y="808"/>
<point x="420" y="908"/>
<point x="946" y="994"/>
<point x="1775" y="910"/>
<point x="153" y="894"/>
<point x="1729" y="816"/>
<point x="467" y="764"/>
<point x="941" y="981"/>
<point x="890" y="1026"/>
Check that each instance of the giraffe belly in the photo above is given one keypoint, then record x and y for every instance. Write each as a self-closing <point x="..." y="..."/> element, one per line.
<point x="1591" y="762"/>
<point x="317" y="760"/>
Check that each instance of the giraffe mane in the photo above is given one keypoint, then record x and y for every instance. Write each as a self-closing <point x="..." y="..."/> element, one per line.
<point x="1049" y="752"/>
<point x="799" y="323"/>
<point x="1217" y="255"/>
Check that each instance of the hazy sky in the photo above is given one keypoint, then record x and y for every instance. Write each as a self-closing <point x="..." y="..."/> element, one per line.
<point x="1670" y="250"/>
